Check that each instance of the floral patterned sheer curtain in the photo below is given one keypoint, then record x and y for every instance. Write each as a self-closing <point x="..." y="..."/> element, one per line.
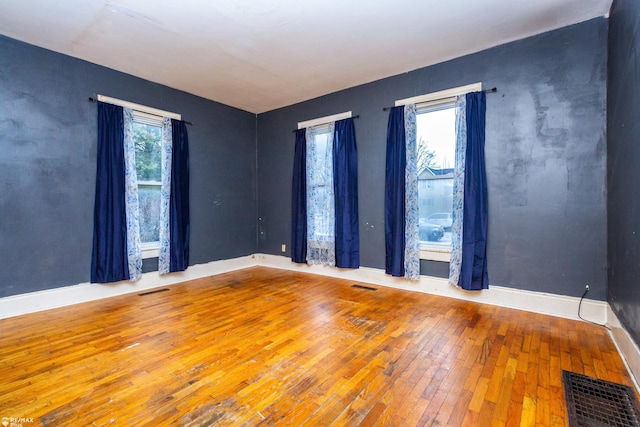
<point x="134" y="252"/>
<point x="412" y="238"/>
<point x="165" y="197"/>
<point x="458" y="190"/>
<point x="320" y="195"/>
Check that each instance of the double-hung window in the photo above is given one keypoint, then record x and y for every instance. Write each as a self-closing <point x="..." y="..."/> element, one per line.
<point x="436" y="151"/>
<point x="142" y="191"/>
<point x="321" y="215"/>
<point x="325" y="193"/>
<point x="147" y="136"/>
<point x="436" y="145"/>
<point x="320" y="197"/>
<point x="435" y="184"/>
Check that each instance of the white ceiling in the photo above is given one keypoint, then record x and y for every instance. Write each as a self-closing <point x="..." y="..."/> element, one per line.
<point x="259" y="55"/>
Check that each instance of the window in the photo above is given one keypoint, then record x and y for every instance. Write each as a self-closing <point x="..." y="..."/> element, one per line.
<point x="320" y="194"/>
<point x="435" y="142"/>
<point x="147" y="124"/>
<point x="151" y="176"/>
<point x="325" y="219"/>
<point x="147" y="136"/>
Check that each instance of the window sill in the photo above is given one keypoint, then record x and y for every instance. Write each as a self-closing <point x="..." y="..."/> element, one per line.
<point x="435" y="253"/>
<point x="151" y="251"/>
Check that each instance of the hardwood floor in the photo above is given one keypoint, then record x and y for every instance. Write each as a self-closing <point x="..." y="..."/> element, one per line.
<point x="271" y="347"/>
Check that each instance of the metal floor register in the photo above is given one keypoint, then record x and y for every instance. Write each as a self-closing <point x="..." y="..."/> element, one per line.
<point x="592" y="402"/>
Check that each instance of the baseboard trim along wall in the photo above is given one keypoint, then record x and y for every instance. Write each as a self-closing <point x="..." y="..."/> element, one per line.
<point x="628" y="349"/>
<point x="538" y="302"/>
<point x="32" y="302"/>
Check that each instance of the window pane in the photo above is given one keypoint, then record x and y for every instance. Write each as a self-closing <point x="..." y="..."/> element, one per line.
<point x="436" y="159"/>
<point x="149" y="207"/>
<point x="320" y="209"/>
<point x="148" y="140"/>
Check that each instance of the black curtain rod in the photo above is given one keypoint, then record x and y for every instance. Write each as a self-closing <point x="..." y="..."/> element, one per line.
<point x="92" y="99"/>
<point x="354" y="117"/>
<point x="493" y="89"/>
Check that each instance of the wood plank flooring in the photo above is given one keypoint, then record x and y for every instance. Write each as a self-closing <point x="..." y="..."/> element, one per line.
<point x="263" y="347"/>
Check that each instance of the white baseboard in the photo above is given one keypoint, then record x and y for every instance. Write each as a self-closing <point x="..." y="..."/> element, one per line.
<point x="538" y="302"/>
<point x="32" y="302"/>
<point x="627" y="348"/>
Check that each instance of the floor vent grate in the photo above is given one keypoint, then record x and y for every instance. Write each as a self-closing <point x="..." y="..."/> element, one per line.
<point x="368" y="288"/>
<point x="593" y="402"/>
<point x="153" y="292"/>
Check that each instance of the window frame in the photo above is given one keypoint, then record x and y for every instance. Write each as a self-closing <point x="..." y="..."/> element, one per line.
<point x="324" y="120"/>
<point x="428" y="250"/>
<point x="149" y="249"/>
<point x="322" y="129"/>
<point x="143" y="112"/>
<point x="432" y="100"/>
<point x="319" y="123"/>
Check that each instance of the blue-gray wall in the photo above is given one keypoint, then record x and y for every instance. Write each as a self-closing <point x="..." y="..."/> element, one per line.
<point x="48" y="166"/>
<point x="545" y="161"/>
<point x="623" y="164"/>
<point x="545" y="151"/>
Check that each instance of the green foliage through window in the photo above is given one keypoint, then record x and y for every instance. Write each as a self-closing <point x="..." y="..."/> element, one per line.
<point x="148" y="141"/>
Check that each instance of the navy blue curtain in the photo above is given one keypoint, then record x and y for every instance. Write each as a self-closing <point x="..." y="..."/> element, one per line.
<point x="345" y="184"/>
<point x="394" y="194"/>
<point x="473" y="270"/>
<point x="179" y="223"/>
<point x="109" y="262"/>
<point x="299" y="200"/>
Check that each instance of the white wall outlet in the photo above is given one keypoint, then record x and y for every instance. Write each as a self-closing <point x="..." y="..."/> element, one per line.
<point x="284" y="247"/>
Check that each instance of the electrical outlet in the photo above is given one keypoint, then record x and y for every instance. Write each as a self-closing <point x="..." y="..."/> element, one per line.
<point x="587" y="287"/>
<point x="284" y="247"/>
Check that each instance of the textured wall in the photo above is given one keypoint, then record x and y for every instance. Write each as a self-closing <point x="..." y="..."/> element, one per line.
<point x="623" y="160"/>
<point x="48" y="166"/>
<point x="545" y="155"/>
<point x="545" y="162"/>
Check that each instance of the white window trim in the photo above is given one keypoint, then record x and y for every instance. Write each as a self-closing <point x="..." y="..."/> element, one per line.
<point x="440" y="97"/>
<point x="324" y="120"/>
<point x="148" y="249"/>
<point x="432" y="252"/>
<point x="435" y="253"/>
<point x="150" y="183"/>
<point x="139" y="107"/>
<point x="147" y="119"/>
